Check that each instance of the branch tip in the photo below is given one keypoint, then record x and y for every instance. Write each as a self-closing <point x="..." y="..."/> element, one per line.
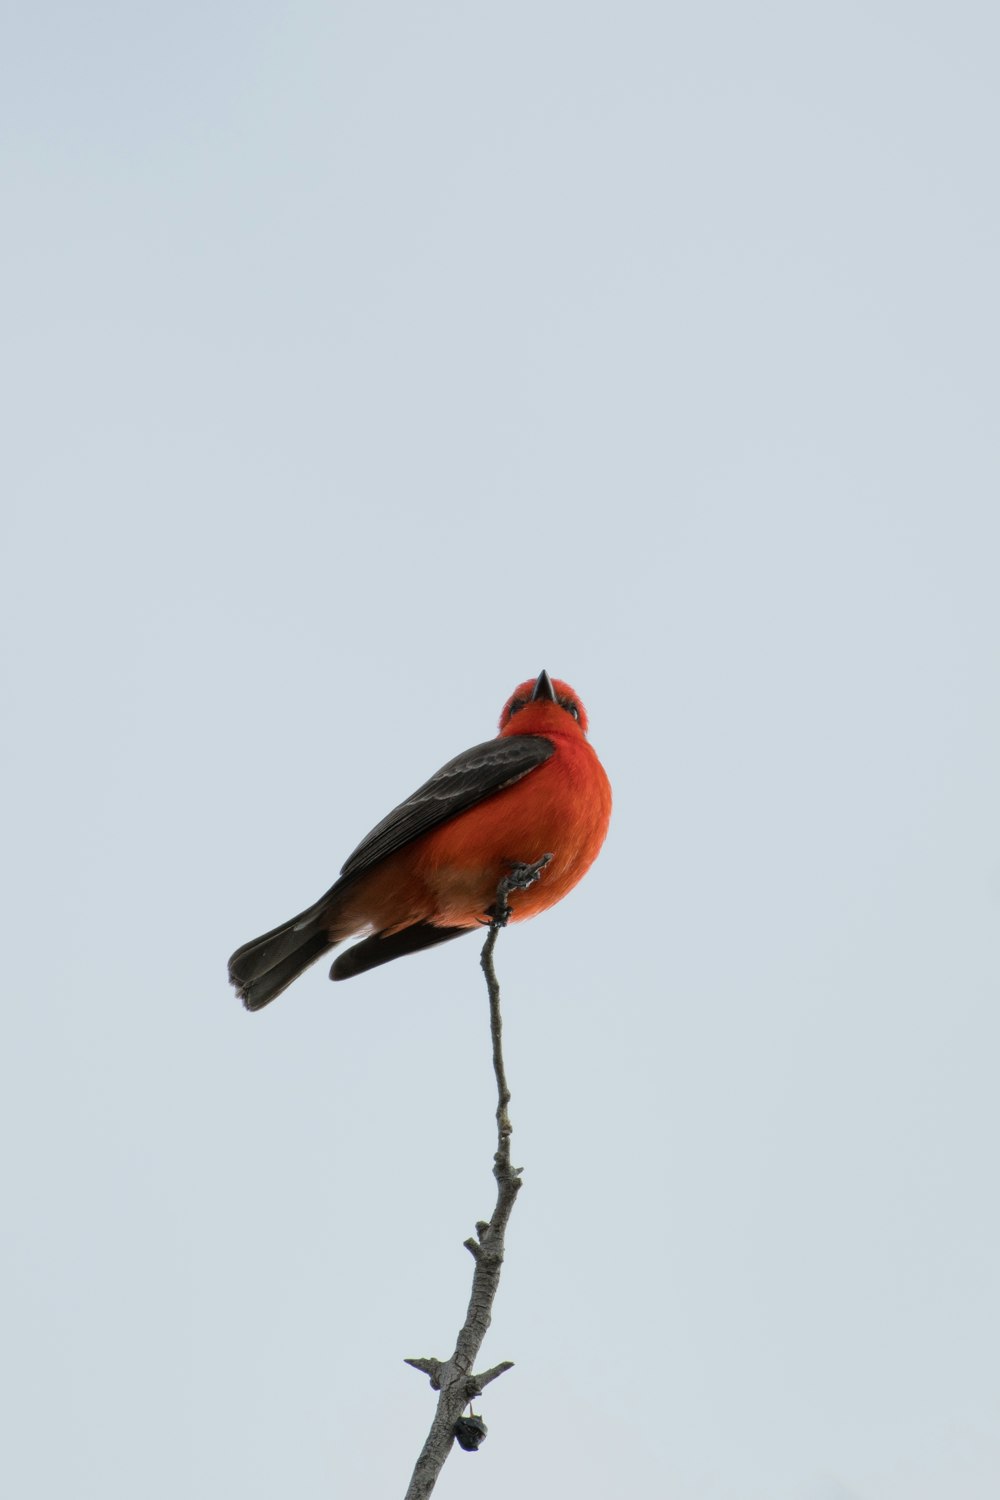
<point x="429" y="1367"/>
<point x="475" y="1384"/>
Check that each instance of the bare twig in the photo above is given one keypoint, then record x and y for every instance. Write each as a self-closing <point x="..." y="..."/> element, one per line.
<point x="453" y="1377"/>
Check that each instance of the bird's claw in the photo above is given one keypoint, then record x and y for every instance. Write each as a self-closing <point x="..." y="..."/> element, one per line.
<point x="521" y="876"/>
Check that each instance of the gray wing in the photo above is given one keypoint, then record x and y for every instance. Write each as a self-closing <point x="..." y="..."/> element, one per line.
<point x="470" y="778"/>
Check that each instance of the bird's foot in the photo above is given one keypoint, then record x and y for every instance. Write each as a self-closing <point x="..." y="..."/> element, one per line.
<point x="521" y="876"/>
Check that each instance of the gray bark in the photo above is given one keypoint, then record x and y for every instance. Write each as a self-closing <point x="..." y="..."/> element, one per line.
<point x="453" y="1378"/>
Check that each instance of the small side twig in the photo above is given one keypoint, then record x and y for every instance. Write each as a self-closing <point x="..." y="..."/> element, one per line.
<point x="453" y="1377"/>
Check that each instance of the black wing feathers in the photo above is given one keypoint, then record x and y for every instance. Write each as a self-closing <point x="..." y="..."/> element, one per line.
<point x="470" y="778"/>
<point x="377" y="950"/>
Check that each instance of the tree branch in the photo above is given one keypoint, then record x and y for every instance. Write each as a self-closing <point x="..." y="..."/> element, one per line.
<point x="453" y="1377"/>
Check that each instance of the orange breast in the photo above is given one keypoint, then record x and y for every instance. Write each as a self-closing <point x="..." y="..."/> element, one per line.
<point x="449" y="876"/>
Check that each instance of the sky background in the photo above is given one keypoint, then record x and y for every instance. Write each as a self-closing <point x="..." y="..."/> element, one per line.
<point x="357" y="362"/>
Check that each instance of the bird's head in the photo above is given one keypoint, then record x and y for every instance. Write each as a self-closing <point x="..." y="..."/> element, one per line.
<point x="541" y="704"/>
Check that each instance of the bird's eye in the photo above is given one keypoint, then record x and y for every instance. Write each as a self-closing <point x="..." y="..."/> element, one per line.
<point x="516" y="707"/>
<point x="570" y="707"/>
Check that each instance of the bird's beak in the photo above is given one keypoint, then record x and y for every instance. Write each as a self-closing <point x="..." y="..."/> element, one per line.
<point x="544" y="689"/>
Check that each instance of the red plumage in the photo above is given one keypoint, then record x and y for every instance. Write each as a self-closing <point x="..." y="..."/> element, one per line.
<point x="430" y="870"/>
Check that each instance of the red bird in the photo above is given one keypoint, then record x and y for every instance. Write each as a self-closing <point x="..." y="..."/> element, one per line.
<point x="430" y="870"/>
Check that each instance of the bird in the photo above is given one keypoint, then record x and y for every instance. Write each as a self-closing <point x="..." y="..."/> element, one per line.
<point x="429" y="871"/>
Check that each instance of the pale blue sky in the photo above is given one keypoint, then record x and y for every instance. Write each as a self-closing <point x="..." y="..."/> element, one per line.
<point x="359" y="361"/>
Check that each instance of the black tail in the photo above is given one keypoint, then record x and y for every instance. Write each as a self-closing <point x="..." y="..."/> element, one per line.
<point x="262" y="969"/>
